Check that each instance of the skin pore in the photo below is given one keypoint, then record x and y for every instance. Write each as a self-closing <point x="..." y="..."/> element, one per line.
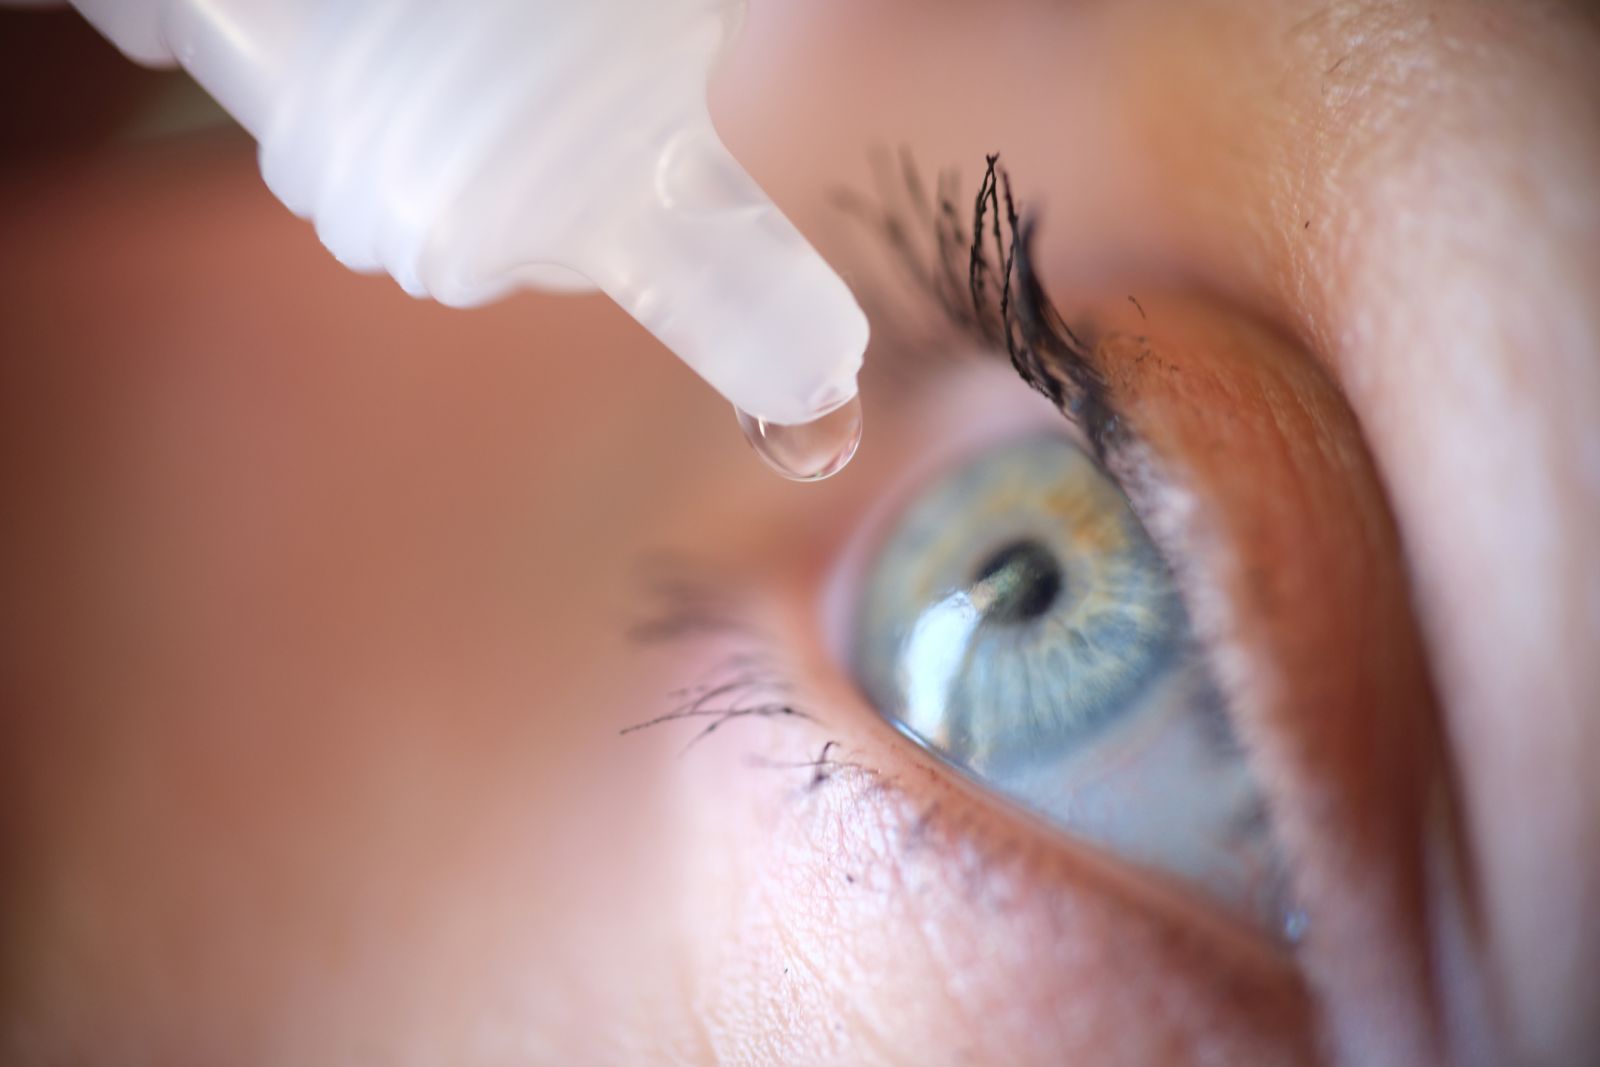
<point x="315" y="644"/>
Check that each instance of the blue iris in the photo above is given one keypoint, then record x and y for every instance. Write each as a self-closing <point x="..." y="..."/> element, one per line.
<point x="1016" y="607"/>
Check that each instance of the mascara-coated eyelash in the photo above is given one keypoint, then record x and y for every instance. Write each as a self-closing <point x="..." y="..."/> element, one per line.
<point x="979" y="276"/>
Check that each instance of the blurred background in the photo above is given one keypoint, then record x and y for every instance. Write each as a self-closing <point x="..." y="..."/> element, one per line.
<point x="71" y="90"/>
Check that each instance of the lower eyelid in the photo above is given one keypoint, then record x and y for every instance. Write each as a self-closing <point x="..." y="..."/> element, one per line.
<point x="848" y="885"/>
<point x="873" y="890"/>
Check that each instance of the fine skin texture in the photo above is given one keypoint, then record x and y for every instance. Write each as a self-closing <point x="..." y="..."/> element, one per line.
<point x="314" y="641"/>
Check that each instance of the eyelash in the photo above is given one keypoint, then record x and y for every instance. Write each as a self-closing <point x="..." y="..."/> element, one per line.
<point x="687" y="603"/>
<point x="1001" y="304"/>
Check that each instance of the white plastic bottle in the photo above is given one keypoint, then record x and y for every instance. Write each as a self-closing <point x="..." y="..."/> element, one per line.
<point x="469" y="147"/>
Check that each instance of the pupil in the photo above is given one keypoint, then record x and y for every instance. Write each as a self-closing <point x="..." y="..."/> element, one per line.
<point x="1025" y="579"/>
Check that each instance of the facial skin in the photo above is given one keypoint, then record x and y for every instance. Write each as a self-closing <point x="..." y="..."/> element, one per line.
<point x="314" y="643"/>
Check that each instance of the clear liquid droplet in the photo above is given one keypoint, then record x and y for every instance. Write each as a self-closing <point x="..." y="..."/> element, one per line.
<point x="808" y="451"/>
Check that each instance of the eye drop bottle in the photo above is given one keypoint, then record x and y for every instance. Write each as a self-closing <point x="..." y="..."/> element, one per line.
<point x="473" y="147"/>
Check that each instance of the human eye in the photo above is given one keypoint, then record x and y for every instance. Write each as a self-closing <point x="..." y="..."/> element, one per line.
<point x="1018" y="622"/>
<point x="1258" y="746"/>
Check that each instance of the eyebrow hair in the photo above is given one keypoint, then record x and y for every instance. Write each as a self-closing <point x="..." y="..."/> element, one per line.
<point x="998" y="298"/>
